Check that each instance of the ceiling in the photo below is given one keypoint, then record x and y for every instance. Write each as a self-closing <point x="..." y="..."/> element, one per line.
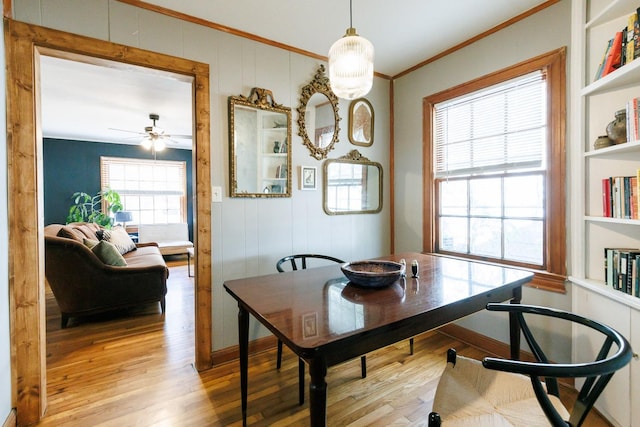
<point x="83" y="101"/>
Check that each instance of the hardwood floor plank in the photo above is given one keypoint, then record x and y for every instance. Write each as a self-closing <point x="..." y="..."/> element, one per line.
<point x="135" y="368"/>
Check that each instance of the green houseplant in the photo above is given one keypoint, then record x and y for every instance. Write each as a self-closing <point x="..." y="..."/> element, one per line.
<point x="87" y="208"/>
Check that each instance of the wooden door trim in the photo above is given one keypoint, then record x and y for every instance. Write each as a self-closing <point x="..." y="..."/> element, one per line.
<point x="24" y="44"/>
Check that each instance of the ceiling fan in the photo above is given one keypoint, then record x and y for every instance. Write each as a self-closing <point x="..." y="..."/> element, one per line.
<point x="154" y="136"/>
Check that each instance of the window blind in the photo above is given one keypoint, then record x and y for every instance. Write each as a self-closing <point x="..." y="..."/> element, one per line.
<point x="500" y="129"/>
<point x="143" y="177"/>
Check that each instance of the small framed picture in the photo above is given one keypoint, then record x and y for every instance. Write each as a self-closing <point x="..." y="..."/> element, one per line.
<point x="308" y="177"/>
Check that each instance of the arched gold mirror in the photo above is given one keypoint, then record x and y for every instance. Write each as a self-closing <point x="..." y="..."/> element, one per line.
<point x="259" y="138"/>
<point x="352" y="185"/>
<point x="361" y="119"/>
<point x="318" y="119"/>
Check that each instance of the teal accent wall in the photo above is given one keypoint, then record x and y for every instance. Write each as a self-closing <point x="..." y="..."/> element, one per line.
<point x="71" y="166"/>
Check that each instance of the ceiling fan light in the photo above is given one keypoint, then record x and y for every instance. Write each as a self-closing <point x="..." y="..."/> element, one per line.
<point x="146" y="143"/>
<point x="351" y="66"/>
<point x="159" y="144"/>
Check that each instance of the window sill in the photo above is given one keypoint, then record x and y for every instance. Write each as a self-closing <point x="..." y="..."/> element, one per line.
<point x="542" y="280"/>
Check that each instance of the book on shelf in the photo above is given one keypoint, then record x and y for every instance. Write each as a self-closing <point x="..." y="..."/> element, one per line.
<point x="606" y="198"/>
<point x="613" y="59"/>
<point x="630" y="42"/>
<point x="632" y="120"/>
<point x="622" y="267"/>
<point x="636" y="35"/>
<point x="621" y="196"/>
<point x="603" y="60"/>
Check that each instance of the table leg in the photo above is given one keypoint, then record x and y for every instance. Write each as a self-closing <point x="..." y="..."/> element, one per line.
<point x="243" y="336"/>
<point x="514" y="325"/>
<point x="318" y="392"/>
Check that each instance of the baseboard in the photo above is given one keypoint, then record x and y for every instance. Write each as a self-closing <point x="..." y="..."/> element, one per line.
<point x="490" y="345"/>
<point x="232" y="353"/>
<point x="12" y="419"/>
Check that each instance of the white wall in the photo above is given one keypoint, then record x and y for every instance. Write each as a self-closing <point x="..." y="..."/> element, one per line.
<point x="538" y="34"/>
<point x="249" y="235"/>
<point x="5" y="355"/>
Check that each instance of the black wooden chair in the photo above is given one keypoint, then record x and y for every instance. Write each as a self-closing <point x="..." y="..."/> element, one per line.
<point x="293" y="262"/>
<point x="510" y="392"/>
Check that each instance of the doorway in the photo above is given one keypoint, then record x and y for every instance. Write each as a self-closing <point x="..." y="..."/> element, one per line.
<point x="25" y="44"/>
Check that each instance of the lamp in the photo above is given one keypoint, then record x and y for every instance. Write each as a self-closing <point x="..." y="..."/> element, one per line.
<point x="351" y="64"/>
<point x="123" y="217"/>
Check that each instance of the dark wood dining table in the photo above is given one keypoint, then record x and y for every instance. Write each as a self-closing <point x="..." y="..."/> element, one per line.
<point x="326" y="320"/>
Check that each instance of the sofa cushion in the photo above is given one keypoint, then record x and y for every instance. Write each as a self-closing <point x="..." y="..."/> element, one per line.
<point x="71" y="233"/>
<point x="90" y="243"/>
<point x="88" y="231"/>
<point x="108" y="254"/>
<point x="120" y="239"/>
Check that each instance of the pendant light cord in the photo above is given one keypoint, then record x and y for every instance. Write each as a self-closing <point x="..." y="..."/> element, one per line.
<point x="350" y="13"/>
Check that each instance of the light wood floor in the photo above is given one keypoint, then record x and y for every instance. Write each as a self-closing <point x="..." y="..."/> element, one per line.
<point x="135" y="369"/>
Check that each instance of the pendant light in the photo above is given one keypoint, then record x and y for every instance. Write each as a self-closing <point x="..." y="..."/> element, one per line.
<point x="351" y="64"/>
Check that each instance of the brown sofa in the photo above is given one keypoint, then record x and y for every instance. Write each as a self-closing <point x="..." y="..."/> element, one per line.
<point x="82" y="284"/>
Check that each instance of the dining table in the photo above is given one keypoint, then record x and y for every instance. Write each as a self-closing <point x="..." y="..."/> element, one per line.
<point x="325" y="319"/>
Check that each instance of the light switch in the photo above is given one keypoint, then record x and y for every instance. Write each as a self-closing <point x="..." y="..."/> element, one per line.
<point x="216" y="194"/>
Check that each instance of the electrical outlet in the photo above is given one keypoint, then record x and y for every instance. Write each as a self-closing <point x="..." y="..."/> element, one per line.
<point x="216" y="194"/>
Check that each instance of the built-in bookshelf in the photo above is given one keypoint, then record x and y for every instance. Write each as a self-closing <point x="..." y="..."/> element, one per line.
<point x="594" y="102"/>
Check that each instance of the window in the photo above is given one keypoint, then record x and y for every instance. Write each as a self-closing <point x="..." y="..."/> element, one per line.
<point x="347" y="187"/>
<point x="494" y="175"/>
<point x="154" y="191"/>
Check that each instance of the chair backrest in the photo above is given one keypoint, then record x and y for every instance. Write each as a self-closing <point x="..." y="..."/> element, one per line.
<point x="292" y="259"/>
<point x="597" y="373"/>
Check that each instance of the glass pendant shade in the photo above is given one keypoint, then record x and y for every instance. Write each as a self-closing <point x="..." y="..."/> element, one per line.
<point x="351" y="66"/>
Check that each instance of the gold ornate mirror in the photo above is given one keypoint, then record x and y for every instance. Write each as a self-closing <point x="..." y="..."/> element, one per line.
<point x="352" y="185"/>
<point x="259" y="140"/>
<point x="318" y="119"/>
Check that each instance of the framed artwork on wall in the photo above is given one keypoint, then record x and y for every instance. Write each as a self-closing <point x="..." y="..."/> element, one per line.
<point x="361" y="122"/>
<point x="308" y="177"/>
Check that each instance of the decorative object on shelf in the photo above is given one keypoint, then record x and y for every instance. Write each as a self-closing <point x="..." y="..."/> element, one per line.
<point x="259" y="160"/>
<point x="361" y="122"/>
<point x="352" y="171"/>
<point x="602" y="141"/>
<point x="617" y="129"/>
<point x="351" y="63"/>
<point x="318" y="116"/>
<point x="308" y="177"/>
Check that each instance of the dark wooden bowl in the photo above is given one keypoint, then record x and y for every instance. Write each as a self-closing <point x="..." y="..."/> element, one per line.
<point x="372" y="273"/>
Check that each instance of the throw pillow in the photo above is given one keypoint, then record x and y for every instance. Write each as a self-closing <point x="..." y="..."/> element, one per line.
<point x="71" y="233"/>
<point x="90" y="243"/>
<point x="108" y="254"/>
<point x="120" y="239"/>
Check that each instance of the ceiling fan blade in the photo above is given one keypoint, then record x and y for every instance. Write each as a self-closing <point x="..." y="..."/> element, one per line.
<point x="179" y="136"/>
<point x="128" y="131"/>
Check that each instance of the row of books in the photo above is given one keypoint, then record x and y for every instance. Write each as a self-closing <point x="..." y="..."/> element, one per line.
<point x="620" y="196"/>
<point x="622" y="270"/>
<point x="624" y="47"/>
<point x="633" y="118"/>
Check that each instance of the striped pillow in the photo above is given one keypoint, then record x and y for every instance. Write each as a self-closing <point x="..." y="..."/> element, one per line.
<point x="119" y="238"/>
